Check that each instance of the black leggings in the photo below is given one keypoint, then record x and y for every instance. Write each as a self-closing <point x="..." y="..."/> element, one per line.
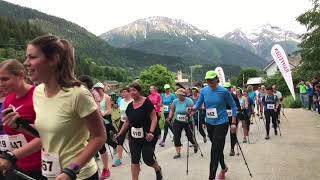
<point x="177" y="130"/>
<point x="233" y="136"/>
<point x="268" y="115"/>
<point x="141" y="146"/>
<point x="200" y="116"/>
<point x="167" y="126"/>
<point x="217" y="135"/>
<point x="110" y="128"/>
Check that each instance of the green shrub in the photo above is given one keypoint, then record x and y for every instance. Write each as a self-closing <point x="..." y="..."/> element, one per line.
<point x="289" y="102"/>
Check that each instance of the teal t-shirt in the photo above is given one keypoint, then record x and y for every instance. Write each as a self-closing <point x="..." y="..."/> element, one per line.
<point x="181" y="109"/>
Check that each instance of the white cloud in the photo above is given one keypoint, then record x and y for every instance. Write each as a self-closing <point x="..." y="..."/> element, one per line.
<point x="217" y="16"/>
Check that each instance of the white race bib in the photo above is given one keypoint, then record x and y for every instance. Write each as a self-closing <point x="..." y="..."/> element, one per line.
<point x="137" y="132"/>
<point x="50" y="164"/>
<point x="166" y="108"/>
<point x="181" y="117"/>
<point x="229" y="112"/>
<point x="4" y="143"/>
<point x="212" y="113"/>
<point x="123" y="117"/>
<point x="17" y="141"/>
<point x="270" y="106"/>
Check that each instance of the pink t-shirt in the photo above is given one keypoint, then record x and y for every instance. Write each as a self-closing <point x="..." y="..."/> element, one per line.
<point x="155" y="98"/>
<point x="26" y="112"/>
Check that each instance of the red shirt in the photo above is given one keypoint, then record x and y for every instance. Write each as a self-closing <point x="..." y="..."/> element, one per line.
<point x="26" y="112"/>
<point x="155" y="98"/>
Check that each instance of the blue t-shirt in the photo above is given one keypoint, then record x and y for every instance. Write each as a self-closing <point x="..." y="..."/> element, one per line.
<point x="167" y="101"/>
<point x="310" y="91"/>
<point x="252" y="95"/>
<point x="181" y="109"/>
<point x="215" y="103"/>
<point x="269" y="103"/>
<point x="251" y="102"/>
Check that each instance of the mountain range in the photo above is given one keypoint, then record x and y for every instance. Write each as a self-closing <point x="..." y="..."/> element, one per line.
<point x="261" y="39"/>
<point x="172" y="37"/>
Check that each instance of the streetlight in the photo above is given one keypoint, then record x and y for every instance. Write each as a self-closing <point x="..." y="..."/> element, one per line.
<point x="191" y="69"/>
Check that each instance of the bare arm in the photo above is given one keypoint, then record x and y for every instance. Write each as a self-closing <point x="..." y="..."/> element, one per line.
<point x="154" y="121"/>
<point x="98" y="136"/>
<point x="124" y="127"/>
<point x="30" y="148"/>
<point x="172" y="109"/>
<point x="108" y="102"/>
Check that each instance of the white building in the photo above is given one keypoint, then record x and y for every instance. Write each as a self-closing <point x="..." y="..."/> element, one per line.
<point x="180" y="78"/>
<point x="272" y="68"/>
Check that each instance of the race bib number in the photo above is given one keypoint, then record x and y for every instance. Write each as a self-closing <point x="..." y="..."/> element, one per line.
<point x="212" y="113"/>
<point x="229" y="112"/>
<point x="270" y="106"/>
<point x="166" y="108"/>
<point x="137" y="132"/>
<point x="4" y="143"/>
<point x="50" y="164"/>
<point x="181" y="117"/>
<point x="17" y="141"/>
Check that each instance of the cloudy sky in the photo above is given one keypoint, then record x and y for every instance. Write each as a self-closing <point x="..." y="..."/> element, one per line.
<point x="216" y="16"/>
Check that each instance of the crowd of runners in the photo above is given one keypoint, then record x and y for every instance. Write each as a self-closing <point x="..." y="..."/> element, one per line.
<point x="54" y="125"/>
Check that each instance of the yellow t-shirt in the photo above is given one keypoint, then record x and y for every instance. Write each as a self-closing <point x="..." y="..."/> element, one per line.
<point x="62" y="128"/>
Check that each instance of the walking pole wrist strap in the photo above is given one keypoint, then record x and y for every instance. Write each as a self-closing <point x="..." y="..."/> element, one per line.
<point x="9" y="156"/>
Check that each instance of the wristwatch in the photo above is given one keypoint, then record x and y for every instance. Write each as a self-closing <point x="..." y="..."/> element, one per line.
<point x="74" y="167"/>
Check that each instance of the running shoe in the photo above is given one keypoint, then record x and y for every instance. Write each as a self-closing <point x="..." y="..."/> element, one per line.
<point x="159" y="174"/>
<point x="267" y="137"/>
<point x="162" y="144"/>
<point x="232" y="153"/>
<point x="204" y="139"/>
<point x="177" y="156"/>
<point x="244" y="140"/>
<point x="105" y="174"/>
<point x="117" y="163"/>
<point x="196" y="148"/>
<point x="222" y="174"/>
<point x="276" y="132"/>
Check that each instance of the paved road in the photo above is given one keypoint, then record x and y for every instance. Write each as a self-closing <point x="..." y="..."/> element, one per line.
<point x="293" y="156"/>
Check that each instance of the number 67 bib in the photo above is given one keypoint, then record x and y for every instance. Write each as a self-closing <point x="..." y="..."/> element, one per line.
<point x="50" y="164"/>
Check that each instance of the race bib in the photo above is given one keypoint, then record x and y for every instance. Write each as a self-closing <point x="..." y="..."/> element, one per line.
<point x="166" y="108"/>
<point x="4" y="143"/>
<point x="181" y="117"/>
<point x="50" y="164"/>
<point x="17" y="141"/>
<point x="137" y="132"/>
<point x="123" y="117"/>
<point x="229" y="112"/>
<point x="212" y="113"/>
<point x="270" y="106"/>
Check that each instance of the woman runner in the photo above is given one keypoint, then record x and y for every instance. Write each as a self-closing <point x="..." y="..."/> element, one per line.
<point x="167" y="99"/>
<point x="216" y="98"/>
<point x="199" y="116"/>
<point x="182" y="121"/>
<point x="124" y="102"/>
<point x="12" y="79"/>
<point x="143" y="132"/>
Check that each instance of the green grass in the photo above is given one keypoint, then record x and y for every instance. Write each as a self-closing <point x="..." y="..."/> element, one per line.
<point x="289" y="102"/>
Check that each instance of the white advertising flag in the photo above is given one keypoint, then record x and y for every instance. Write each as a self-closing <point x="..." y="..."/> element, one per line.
<point x="281" y="59"/>
<point x="221" y="76"/>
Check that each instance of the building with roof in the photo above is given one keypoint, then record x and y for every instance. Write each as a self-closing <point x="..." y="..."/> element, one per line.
<point x="272" y="68"/>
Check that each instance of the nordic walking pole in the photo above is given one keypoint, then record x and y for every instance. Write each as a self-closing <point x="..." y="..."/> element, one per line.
<point x="277" y="124"/>
<point x="110" y="151"/>
<point x="245" y="161"/>
<point x="22" y="175"/>
<point x="195" y="140"/>
<point x="188" y="158"/>
<point x="282" y="110"/>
